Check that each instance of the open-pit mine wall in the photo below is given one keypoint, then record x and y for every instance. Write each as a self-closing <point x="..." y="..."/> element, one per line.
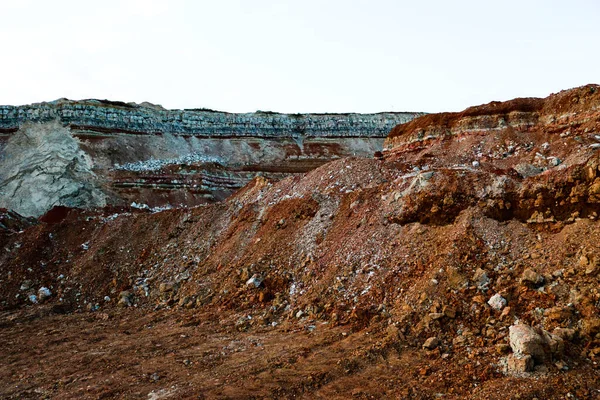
<point x="150" y="155"/>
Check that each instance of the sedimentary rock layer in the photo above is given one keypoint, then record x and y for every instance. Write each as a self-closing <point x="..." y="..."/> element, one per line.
<point x="559" y="117"/>
<point x="151" y="155"/>
<point x="96" y="116"/>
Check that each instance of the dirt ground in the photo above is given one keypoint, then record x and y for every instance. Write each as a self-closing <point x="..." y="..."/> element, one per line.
<point x="190" y="354"/>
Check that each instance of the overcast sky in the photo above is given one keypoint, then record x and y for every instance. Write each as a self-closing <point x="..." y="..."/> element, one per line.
<point x="297" y="56"/>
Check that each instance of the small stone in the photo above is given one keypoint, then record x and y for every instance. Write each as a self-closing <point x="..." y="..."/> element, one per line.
<point x="505" y="312"/>
<point x="459" y="340"/>
<point x="558" y="273"/>
<point x="426" y="175"/>
<point x="299" y="314"/>
<point x="242" y="324"/>
<point x="26" y="285"/>
<point x="531" y="278"/>
<point x="538" y="343"/>
<point x="185" y="301"/>
<point x="554" y="161"/>
<point x="435" y="316"/>
<point x="449" y="312"/>
<point x="125" y="299"/>
<point x="106" y="298"/>
<point x="33" y="298"/>
<point x="561" y="365"/>
<point x="475" y="164"/>
<point x="502" y="348"/>
<point x="166" y="287"/>
<point x="583" y="261"/>
<point x="44" y="293"/>
<point x="497" y="302"/>
<point x="555" y="343"/>
<point x="519" y="364"/>
<point x="256" y="281"/>
<point x="481" y="279"/>
<point x="565" y="333"/>
<point x="558" y="313"/>
<point x="124" y="302"/>
<point x="431" y="343"/>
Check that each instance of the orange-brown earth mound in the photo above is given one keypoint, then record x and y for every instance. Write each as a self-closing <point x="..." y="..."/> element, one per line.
<point x="415" y="276"/>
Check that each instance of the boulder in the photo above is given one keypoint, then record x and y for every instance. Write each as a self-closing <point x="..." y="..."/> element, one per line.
<point x="539" y="344"/>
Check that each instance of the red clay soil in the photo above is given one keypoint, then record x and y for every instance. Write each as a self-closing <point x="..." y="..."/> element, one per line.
<point x="328" y="285"/>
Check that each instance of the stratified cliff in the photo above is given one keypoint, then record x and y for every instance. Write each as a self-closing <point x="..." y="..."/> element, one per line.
<point x="147" y="154"/>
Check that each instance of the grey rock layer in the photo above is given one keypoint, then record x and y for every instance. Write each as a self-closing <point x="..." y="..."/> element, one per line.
<point x="150" y="155"/>
<point x="109" y="116"/>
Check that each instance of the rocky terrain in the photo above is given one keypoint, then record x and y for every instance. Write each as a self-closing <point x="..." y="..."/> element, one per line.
<point x="118" y="153"/>
<point x="461" y="262"/>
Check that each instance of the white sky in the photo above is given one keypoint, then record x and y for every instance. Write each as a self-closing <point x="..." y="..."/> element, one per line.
<point x="297" y="55"/>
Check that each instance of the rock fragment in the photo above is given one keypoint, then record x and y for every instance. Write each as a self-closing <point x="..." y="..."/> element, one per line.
<point x="524" y="340"/>
<point x="166" y="287"/>
<point x="558" y="313"/>
<point x="517" y="364"/>
<point x="255" y="281"/>
<point x="531" y="278"/>
<point x="497" y="302"/>
<point x="537" y="343"/>
<point x="44" y="293"/>
<point x="125" y="299"/>
<point x="565" y="333"/>
<point x="481" y="279"/>
<point x="431" y="343"/>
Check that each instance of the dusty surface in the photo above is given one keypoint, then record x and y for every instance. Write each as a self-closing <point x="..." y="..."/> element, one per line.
<point x="192" y="354"/>
<point x="395" y="277"/>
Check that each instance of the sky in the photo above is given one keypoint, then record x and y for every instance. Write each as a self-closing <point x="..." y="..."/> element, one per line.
<point x="297" y="56"/>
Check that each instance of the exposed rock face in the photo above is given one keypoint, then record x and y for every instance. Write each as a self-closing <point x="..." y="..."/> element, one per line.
<point x="500" y="158"/>
<point x="147" y="154"/>
<point x="43" y="166"/>
<point x="569" y="113"/>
